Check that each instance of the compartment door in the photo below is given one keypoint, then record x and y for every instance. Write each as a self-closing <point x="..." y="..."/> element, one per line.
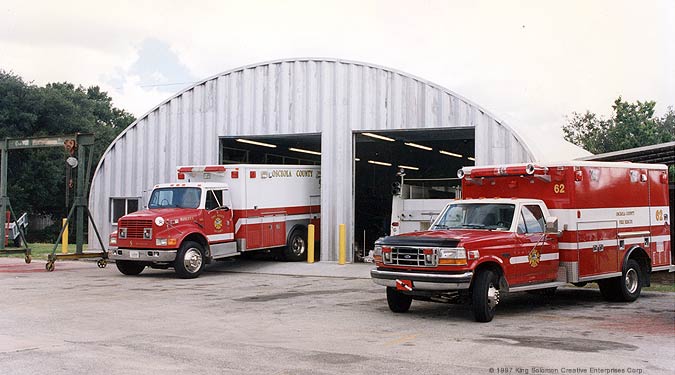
<point x="598" y="247"/>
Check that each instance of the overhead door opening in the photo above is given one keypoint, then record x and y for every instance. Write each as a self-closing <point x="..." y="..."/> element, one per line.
<point x="408" y="173"/>
<point x="282" y="149"/>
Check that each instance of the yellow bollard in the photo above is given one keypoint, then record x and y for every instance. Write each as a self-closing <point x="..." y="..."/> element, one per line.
<point x="64" y="238"/>
<point x="343" y="248"/>
<point x="310" y="243"/>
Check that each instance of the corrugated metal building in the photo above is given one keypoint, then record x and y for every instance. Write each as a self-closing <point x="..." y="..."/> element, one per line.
<point x="331" y="98"/>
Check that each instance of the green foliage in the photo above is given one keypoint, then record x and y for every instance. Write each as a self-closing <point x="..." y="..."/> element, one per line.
<point x="37" y="178"/>
<point x="631" y="125"/>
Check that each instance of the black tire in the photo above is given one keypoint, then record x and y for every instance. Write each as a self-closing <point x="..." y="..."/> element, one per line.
<point x="485" y="296"/>
<point x="296" y="248"/>
<point x="190" y="261"/>
<point x="626" y="288"/>
<point x="398" y="302"/>
<point x="128" y="267"/>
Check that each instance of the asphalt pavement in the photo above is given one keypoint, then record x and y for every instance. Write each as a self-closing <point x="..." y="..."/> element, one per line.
<point x="264" y="317"/>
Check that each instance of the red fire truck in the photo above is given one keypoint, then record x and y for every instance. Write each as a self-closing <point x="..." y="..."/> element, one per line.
<point x="534" y="227"/>
<point x="219" y="211"/>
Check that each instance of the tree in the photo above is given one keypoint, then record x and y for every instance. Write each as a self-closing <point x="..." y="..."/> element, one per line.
<point x="631" y="125"/>
<point x="37" y="178"/>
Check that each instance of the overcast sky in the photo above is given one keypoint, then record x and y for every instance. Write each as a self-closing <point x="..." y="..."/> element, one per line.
<point x="530" y="63"/>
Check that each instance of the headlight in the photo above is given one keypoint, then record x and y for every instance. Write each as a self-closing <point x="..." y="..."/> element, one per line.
<point x="112" y="241"/>
<point x="378" y="251"/>
<point x="159" y="221"/>
<point x="453" y="256"/>
<point x="122" y="233"/>
<point x="161" y="242"/>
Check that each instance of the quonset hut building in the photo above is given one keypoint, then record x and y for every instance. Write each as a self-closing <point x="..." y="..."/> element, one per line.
<point x="361" y="122"/>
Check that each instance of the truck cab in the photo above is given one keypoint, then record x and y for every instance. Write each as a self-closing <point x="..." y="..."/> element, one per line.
<point x="475" y="249"/>
<point x="185" y="226"/>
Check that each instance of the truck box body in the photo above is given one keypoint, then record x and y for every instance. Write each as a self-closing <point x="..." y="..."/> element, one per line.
<point x="603" y="209"/>
<point x="267" y="200"/>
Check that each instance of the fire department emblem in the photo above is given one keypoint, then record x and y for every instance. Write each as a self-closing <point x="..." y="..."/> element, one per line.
<point x="534" y="257"/>
<point x="218" y="223"/>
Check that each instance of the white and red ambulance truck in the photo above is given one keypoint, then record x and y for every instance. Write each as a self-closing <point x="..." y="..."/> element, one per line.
<point x="535" y="227"/>
<point x="219" y="211"/>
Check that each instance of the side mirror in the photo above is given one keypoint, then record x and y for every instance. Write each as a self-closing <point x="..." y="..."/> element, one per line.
<point x="552" y="224"/>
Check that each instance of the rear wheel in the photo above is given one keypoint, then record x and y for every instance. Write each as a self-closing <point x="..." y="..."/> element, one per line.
<point x="128" y="267"/>
<point x="625" y="288"/>
<point x="296" y="248"/>
<point x="485" y="296"/>
<point x="189" y="261"/>
<point x="397" y="301"/>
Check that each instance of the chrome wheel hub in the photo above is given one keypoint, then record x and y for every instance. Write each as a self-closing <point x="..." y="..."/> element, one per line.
<point x="192" y="260"/>
<point x="492" y="296"/>
<point x="298" y="246"/>
<point x="631" y="280"/>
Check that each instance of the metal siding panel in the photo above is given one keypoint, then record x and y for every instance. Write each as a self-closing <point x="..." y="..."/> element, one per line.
<point x="283" y="98"/>
<point x="210" y="141"/>
<point x="221" y="106"/>
<point x="172" y="132"/>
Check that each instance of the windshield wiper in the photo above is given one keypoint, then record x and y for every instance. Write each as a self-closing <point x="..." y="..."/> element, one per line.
<point x="441" y="226"/>
<point x="475" y="226"/>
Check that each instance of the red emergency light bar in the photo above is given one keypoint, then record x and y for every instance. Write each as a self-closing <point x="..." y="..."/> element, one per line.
<point x="207" y="168"/>
<point x="518" y="170"/>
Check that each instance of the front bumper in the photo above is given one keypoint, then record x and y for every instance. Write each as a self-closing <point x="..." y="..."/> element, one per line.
<point x="143" y="255"/>
<point x="424" y="281"/>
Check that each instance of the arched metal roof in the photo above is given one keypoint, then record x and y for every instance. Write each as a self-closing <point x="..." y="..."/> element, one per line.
<point x="333" y="97"/>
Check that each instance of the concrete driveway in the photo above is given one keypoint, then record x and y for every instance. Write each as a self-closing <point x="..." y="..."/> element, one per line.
<point x="262" y="317"/>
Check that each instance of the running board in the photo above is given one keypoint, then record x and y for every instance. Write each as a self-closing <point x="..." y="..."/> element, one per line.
<point x="524" y="288"/>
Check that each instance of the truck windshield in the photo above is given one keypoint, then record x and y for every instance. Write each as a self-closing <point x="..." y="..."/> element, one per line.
<point x="175" y="197"/>
<point x="489" y="216"/>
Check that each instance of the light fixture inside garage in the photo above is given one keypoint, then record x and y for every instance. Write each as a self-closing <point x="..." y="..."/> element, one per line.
<point x="450" y="154"/>
<point x="470" y="158"/>
<point x="379" y="163"/>
<point x="305" y="151"/>
<point x="418" y="146"/>
<point x="380" y="137"/>
<point x="240" y="140"/>
<point x="409" y="167"/>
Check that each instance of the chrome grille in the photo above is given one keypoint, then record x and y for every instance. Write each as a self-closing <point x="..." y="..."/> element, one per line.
<point x="135" y="227"/>
<point x="410" y="256"/>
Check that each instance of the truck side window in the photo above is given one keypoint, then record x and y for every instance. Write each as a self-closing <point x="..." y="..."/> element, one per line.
<point x="533" y="219"/>
<point x="214" y="199"/>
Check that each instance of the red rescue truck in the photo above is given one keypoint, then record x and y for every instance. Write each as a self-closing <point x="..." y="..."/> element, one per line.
<point x="534" y="227"/>
<point x="219" y="211"/>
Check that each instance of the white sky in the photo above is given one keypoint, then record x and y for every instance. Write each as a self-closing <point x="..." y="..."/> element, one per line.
<point x="530" y="63"/>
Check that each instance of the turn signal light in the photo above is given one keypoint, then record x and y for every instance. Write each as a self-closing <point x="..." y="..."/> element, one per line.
<point x="453" y="262"/>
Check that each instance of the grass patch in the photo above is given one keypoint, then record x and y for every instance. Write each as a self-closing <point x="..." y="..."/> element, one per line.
<point x="661" y="288"/>
<point x="41" y="250"/>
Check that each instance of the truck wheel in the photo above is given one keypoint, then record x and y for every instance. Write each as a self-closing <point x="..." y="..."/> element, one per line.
<point x="189" y="261"/>
<point x="485" y="296"/>
<point x="296" y="249"/>
<point x="128" y="267"/>
<point x="397" y="301"/>
<point x="626" y="288"/>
